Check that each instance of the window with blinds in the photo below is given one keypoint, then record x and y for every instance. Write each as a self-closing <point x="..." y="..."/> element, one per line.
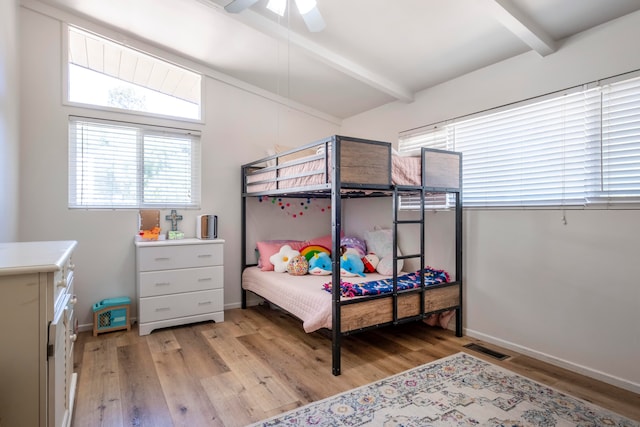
<point x="120" y="165"/>
<point x="575" y="149"/>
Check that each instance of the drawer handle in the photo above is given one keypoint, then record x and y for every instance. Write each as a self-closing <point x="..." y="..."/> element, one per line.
<point x="163" y="309"/>
<point x="73" y="300"/>
<point x="205" y="303"/>
<point x="205" y="279"/>
<point x="205" y="256"/>
<point x="73" y="337"/>
<point x="163" y="284"/>
<point x="72" y="266"/>
<point x="61" y="283"/>
<point x="166" y="258"/>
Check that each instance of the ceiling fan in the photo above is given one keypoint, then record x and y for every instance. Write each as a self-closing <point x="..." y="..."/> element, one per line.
<point x="307" y="8"/>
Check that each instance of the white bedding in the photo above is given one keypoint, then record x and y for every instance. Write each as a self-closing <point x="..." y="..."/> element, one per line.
<point x="302" y="296"/>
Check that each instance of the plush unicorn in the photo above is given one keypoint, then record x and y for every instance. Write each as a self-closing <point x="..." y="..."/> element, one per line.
<point x="351" y="265"/>
<point x="320" y="264"/>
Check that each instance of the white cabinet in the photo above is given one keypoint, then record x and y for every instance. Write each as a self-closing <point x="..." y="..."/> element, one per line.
<point x="37" y="382"/>
<point x="179" y="282"/>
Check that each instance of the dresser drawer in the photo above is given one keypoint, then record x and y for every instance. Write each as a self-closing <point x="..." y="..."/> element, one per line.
<point x="171" y="306"/>
<point x="62" y="283"/>
<point x="154" y="283"/>
<point x="174" y="257"/>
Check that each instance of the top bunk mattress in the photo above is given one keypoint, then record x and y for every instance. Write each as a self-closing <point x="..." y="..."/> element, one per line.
<point x="312" y="173"/>
<point x="363" y="164"/>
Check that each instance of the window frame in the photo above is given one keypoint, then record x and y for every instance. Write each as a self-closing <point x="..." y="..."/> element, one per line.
<point x="142" y="49"/>
<point x="142" y="130"/>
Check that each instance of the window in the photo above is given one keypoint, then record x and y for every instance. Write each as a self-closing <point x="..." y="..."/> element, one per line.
<point x="575" y="149"/>
<point x="122" y="165"/>
<point x="106" y="74"/>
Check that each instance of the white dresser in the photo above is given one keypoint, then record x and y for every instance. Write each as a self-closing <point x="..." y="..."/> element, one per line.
<point x="37" y="383"/>
<point x="179" y="282"/>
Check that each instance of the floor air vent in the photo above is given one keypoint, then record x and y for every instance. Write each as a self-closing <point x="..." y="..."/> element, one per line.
<point x="488" y="352"/>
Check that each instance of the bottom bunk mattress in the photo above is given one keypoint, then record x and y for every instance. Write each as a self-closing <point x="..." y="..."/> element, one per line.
<point x="306" y="297"/>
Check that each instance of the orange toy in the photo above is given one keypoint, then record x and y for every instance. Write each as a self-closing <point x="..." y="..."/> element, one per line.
<point x="150" y="234"/>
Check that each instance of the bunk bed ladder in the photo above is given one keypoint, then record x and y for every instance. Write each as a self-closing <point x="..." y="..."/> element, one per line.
<point x="397" y="192"/>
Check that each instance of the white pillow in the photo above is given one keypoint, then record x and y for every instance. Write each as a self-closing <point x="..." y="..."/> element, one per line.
<point x="271" y="152"/>
<point x="380" y="242"/>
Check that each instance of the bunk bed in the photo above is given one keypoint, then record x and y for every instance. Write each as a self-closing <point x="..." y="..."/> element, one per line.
<point x="340" y="167"/>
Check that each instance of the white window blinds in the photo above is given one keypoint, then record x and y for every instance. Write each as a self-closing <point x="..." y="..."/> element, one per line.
<point x="615" y="167"/>
<point x="121" y="165"/>
<point x="435" y="137"/>
<point x="574" y="149"/>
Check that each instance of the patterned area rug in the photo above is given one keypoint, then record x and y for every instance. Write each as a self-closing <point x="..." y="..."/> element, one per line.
<point x="459" y="390"/>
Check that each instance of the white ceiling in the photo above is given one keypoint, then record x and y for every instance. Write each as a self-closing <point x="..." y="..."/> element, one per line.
<point x="371" y="52"/>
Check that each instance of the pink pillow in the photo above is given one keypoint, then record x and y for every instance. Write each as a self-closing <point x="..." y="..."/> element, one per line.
<point x="269" y="247"/>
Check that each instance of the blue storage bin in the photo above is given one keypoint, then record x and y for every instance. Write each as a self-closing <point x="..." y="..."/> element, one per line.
<point x="111" y="314"/>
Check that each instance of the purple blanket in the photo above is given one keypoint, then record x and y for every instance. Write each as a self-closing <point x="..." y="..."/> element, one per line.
<point x="383" y="286"/>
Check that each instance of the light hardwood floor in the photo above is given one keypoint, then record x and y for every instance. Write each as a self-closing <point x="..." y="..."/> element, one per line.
<point x="259" y="362"/>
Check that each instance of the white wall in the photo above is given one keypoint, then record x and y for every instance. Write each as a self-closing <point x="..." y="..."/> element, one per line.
<point x="239" y="127"/>
<point x="568" y="294"/>
<point x="9" y="120"/>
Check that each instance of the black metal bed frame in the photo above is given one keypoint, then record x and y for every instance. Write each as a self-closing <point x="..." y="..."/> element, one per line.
<point x="353" y="190"/>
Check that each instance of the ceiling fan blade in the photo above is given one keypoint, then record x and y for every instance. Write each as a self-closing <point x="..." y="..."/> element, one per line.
<point x="237" y="6"/>
<point x="313" y="19"/>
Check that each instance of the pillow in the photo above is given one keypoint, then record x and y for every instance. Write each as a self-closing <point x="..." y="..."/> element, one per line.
<point x="356" y="245"/>
<point x="271" y="152"/>
<point x="298" y="266"/>
<point x="320" y="264"/>
<point x="380" y="242"/>
<point x="324" y="241"/>
<point x="280" y="260"/>
<point x="309" y="251"/>
<point x="293" y="156"/>
<point x="267" y="248"/>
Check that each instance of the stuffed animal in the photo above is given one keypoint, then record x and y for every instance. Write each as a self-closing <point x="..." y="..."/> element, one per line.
<point x="351" y="265"/>
<point x="320" y="264"/>
<point x="370" y="262"/>
<point x="281" y="259"/>
<point x="298" y="266"/>
<point x="353" y="245"/>
<point x="152" y="234"/>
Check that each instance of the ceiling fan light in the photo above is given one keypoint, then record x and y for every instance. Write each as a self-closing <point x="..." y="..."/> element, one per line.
<point x="277" y="6"/>
<point x="305" y="6"/>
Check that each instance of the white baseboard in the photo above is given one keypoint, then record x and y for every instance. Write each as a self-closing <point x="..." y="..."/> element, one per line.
<point x="583" y="370"/>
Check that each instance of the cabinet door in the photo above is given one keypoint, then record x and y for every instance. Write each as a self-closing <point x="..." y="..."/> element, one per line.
<point x="22" y="350"/>
<point x="57" y="366"/>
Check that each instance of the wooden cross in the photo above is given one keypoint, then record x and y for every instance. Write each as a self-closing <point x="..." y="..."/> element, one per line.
<point x="174" y="218"/>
